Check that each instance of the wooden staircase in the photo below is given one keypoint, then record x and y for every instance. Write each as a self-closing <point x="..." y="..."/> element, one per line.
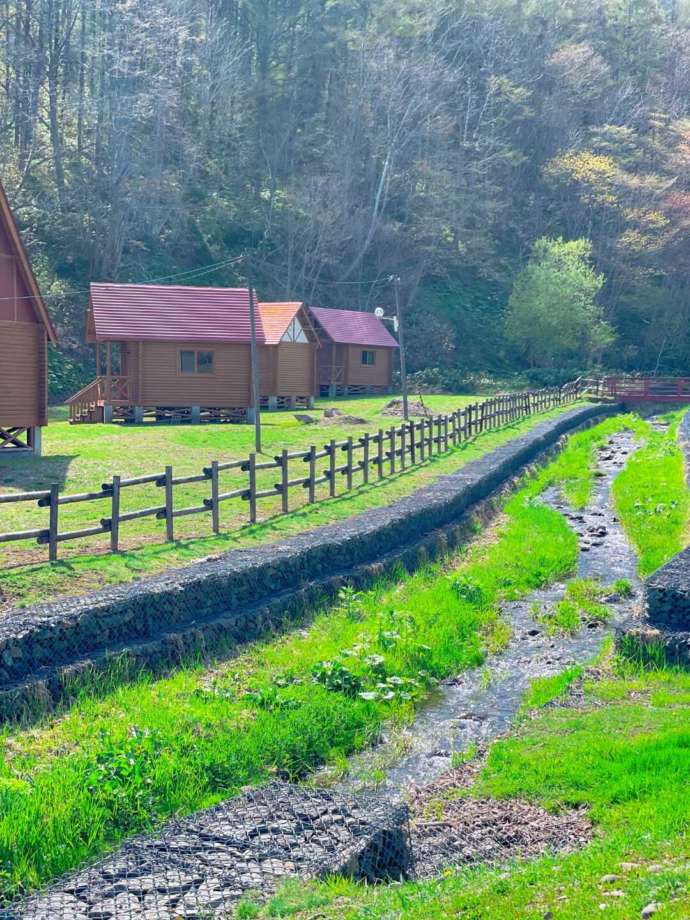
<point x="88" y="405"/>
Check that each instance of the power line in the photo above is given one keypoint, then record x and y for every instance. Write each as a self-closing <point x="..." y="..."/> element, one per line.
<point x="189" y="274"/>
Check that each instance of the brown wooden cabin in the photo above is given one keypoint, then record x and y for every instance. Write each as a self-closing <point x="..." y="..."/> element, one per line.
<point x="25" y="330"/>
<point x="183" y="353"/>
<point x="356" y="355"/>
<point x="287" y="360"/>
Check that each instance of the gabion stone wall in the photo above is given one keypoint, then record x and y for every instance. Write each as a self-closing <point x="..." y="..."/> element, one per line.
<point x="668" y="594"/>
<point x="238" y="596"/>
<point x="203" y="866"/>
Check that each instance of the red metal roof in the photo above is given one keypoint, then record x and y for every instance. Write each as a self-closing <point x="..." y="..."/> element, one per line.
<point x="353" y="327"/>
<point x="172" y="313"/>
<point x="275" y="318"/>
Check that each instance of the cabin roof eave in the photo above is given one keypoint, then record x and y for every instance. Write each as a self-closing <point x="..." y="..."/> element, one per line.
<point x="25" y="266"/>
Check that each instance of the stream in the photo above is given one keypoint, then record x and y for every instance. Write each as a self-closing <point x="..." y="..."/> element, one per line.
<point x="479" y="705"/>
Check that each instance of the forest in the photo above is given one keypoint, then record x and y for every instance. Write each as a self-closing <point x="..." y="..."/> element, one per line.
<point x="520" y="165"/>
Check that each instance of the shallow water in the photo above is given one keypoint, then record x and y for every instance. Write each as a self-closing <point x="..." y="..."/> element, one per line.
<point x="479" y="705"/>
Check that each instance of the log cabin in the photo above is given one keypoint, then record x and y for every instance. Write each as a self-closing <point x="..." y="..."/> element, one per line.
<point x="287" y="368"/>
<point x="183" y="353"/>
<point x="356" y="354"/>
<point x="25" y="331"/>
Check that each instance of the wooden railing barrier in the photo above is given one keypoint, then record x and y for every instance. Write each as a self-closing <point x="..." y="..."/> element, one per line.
<point x="386" y="452"/>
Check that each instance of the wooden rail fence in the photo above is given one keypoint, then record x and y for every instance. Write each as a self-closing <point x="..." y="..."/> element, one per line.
<point x="370" y="456"/>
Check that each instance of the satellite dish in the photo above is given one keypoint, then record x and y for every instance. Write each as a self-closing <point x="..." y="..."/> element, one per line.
<point x="379" y="311"/>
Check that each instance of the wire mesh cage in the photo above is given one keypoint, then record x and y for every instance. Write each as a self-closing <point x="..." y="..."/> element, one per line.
<point x="202" y="867"/>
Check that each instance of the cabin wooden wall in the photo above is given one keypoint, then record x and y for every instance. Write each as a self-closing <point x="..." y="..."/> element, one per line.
<point x="294" y="369"/>
<point x="267" y="370"/>
<point x="23" y="355"/>
<point x="325" y="361"/>
<point x="23" y="348"/>
<point x="379" y="374"/>
<point x="162" y="384"/>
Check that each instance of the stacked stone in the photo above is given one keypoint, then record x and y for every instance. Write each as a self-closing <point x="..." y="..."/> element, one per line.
<point x="212" y="605"/>
<point x="202" y="866"/>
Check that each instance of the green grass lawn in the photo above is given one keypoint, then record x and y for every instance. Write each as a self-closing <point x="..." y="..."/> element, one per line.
<point x="124" y="756"/>
<point x="83" y="456"/>
<point x="652" y="498"/>
<point x="626" y="756"/>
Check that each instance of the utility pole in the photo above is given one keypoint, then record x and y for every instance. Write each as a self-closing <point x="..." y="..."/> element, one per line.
<point x="255" y="391"/>
<point x="401" y="343"/>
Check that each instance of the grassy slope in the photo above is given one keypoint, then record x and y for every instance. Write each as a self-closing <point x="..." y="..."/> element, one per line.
<point x="73" y="787"/>
<point x="98" y="451"/>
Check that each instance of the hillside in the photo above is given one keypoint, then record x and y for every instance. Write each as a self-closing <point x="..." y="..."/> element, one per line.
<point x="345" y="142"/>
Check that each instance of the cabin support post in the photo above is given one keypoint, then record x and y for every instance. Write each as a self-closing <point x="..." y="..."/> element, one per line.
<point x="291" y="402"/>
<point x="310" y="402"/>
<point x="107" y="413"/>
<point x="332" y="390"/>
<point x="36" y="440"/>
<point x="272" y="403"/>
<point x="138" y="415"/>
<point x="251" y="415"/>
<point x="196" y="415"/>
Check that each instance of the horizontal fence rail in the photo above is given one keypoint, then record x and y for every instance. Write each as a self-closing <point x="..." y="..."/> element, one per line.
<point x="355" y="461"/>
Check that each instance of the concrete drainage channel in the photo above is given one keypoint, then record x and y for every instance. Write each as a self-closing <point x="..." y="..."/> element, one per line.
<point x="201" y="867"/>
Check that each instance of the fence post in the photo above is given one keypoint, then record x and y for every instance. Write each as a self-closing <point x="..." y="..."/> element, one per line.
<point x="391" y="440"/>
<point x="284" y="479"/>
<point x="312" y="474"/>
<point x="365" y="455"/>
<point x="403" y="446"/>
<point x="252" y="488"/>
<point x="331" y="468"/>
<point x="470" y="412"/>
<point x="53" y="523"/>
<point x="379" y="456"/>
<point x="169" y="533"/>
<point x="445" y="432"/>
<point x="430" y="439"/>
<point x="215" y="504"/>
<point x="413" y="445"/>
<point x="422" y="445"/>
<point x="115" y="516"/>
<point x="348" y="471"/>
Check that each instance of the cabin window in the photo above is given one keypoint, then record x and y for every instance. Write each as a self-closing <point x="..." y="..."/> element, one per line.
<point x="187" y="362"/>
<point x="196" y="362"/>
<point x="204" y="362"/>
<point x="295" y="332"/>
<point x="369" y="357"/>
